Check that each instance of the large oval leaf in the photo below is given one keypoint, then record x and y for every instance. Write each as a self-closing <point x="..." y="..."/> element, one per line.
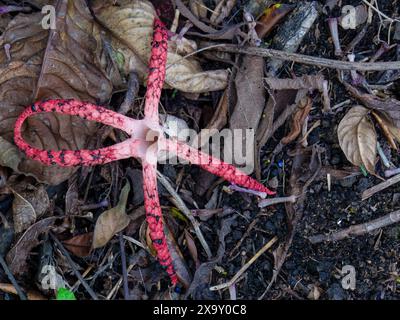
<point x="132" y="24"/>
<point x="357" y="138"/>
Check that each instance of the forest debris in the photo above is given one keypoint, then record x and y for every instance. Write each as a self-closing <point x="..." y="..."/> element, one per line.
<point x="379" y="187"/>
<point x="273" y="201"/>
<point x="250" y="94"/>
<point x="307" y="166"/>
<point x="304" y="108"/>
<point x="131" y="24"/>
<point x="292" y="32"/>
<point x="199" y="289"/>
<point x="112" y="221"/>
<point x="198" y="8"/>
<point x="358" y="230"/>
<point x="333" y="27"/>
<point x="357" y="138"/>
<point x="308" y="82"/>
<point x="271" y="17"/>
<point x="17" y="257"/>
<point x="388" y="105"/>
<point x="182" y="206"/>
<point x="80" y="245"/>
<point x="33" y="75"/>
<point x="246" y="266"/>
<point x="30" y="295"/>
<point x="30" y="203"/>
<point x="391" y="132"/>
<point x="74" y="268"/>
<point x="257" y="7"/>
<point x="222" y="11"/>
<point x="310" y="60"/>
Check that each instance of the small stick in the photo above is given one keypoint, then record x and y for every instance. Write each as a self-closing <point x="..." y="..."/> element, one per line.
<point x="124" y="269"/>
<point x="316" y="61"/>
<point x="185" y="210"/>
<point x="379" y="187"/>
<point x="359" y="229"/>
<point x="236" y="188"/>
<point x="333" y="27"/>
<point x="245" y="267"/>
<point x="392" y="172"/>
<point x="272" y="201"/>
<point x="10" y="276"/>
<point x="118" y="284"/>
<point x="74" y="267"/>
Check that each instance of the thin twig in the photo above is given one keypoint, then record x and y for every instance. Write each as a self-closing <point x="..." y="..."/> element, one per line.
<point x="359" y="229"/>
<point x="272" y="201"/>
<point x="315" y="61"/>
<point x="245" y="267"/>
<point x="10" y="276"/>
<point x="185" y="210"/>
<point x="382" y="186"/>
<point x="74" y="267"/>
<point x="124" y="270"/>
<point x="118" y="284"/>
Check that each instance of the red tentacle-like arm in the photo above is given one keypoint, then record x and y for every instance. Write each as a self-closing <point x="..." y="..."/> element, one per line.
<point x="155" y="220"/>
<point x="215" y="166"/>
<point x="155" y="82"/>
<point x="157" y="70"/>
<point x="68" y="158"/>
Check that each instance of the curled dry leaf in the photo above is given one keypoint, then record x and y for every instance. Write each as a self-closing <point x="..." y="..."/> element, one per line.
<point x="131" y="22"/>
<point x="391" y="133"/>
<point x="316" y="82"/>
<point x="80" y="245"/>
<point x="29" y="204"/>
<point x="112" y="221"/>
<point x="388" y="106"/>
<point x="357" y="138"/>
<point x="222" y="11"/>
<point x="18" y="255"/>
<point x="66" y="66"/>
<point x="198" y="8"/>
<point x="178" y="260"/>
<point x="304" y="108"/>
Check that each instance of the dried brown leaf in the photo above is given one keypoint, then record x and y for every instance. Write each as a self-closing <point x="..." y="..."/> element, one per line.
<point x="357" y="138"/>
<point x="29" y="205"/>
<point x="18" y="255"/>
<point x="80" y="245"/>
<point x="132" y="25"/>
<point x="192" y="248"/>
<point x="66" y="66"/>
<point x="112" y="221"/>
<point x="389" y="106"/>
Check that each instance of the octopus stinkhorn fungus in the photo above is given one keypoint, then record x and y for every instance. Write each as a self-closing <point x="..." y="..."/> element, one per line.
<point x="146" y="140"/>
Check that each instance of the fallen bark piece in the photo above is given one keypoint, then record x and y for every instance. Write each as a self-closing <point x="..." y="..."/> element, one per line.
<point x="293" y="31"/>
<point x="359" y="229"/>
<point x="382" y="186"/>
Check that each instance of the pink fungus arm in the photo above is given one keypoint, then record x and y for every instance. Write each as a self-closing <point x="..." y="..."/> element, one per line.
<point x="70" y="158"/>
<point x="157" y="70"/>
<point x="155" y="220"/>
<point x="215" y="166"/>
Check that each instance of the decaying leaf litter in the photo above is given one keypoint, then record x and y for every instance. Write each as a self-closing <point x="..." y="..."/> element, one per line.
<point x="326" y="127"/>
